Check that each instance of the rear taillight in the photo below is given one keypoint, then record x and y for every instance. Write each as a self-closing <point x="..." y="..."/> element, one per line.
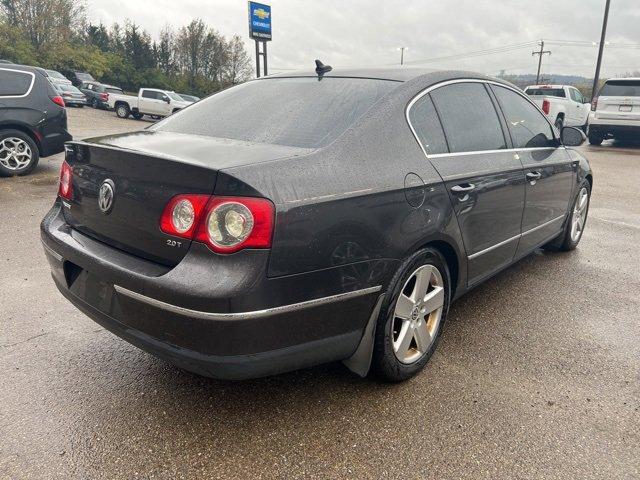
<point x="104" y="97"/>
<point x="181" y="215"/>
<point x="594" y="104"/>
<point x="58" y="100"/>
<point x="65" y="189"/>
<point x="545" y="106"/>
<point x="224" y="224"/>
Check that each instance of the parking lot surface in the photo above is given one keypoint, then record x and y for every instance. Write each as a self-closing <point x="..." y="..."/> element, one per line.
<point x="537" y="374"/>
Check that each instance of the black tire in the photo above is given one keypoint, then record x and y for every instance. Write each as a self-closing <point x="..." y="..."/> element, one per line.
<point x="385" y="364"/>
<point x="137" y="115"/>
<point x="35" y="153"/>
<point x="94" y="103"/>
<point x="80" y="106"/>
<point x="122" y="110"/>
<point x="559" y="123"/>
<point x="595" y="139"/>
<point x="565" y="242"/>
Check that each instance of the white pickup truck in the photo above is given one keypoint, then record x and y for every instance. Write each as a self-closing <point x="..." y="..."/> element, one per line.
<point x="564" y="105"/>
<point x="150" y="101"/>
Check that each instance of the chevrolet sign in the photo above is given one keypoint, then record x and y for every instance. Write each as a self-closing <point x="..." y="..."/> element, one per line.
<point x="259" y="21"/>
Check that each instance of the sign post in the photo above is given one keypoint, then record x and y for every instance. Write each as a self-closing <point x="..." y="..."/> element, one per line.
<point x="260" y="31"/>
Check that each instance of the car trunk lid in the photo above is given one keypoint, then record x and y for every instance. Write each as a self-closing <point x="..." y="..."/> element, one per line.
<point x="619" y="100"/>
<point x="145" y="170"/>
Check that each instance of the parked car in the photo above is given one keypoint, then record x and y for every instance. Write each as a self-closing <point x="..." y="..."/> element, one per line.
<point x="71" y="95"/>
<point x="563" y="104"/>
<point x="615" y="111"/>
<point x="98" y="94"/>
<point x="150" y="101"/>
<point x="189" y="98"/>
<point x="77" y="78"/>
<point x="33" y="120"/>
<point x="2" y="60"/>
<point x="57" y="77"/>
<point x="337" y="221"/>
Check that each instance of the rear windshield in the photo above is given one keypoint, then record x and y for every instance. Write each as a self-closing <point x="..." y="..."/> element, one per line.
<point x="621" y="88"/>
<point x="300" y="112"/>
<point x="551" y="92"/>
<point x="54" y="74"/>
<point x="68" y="88"/>
<point x="83" y="76"/>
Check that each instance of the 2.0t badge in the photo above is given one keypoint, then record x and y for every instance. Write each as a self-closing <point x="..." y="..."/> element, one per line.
<point x="106" y="196"/>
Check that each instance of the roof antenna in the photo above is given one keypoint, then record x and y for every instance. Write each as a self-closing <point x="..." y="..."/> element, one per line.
<point x="321" y="68"/>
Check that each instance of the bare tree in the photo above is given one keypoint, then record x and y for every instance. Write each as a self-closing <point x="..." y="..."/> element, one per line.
<point x="238" y="65"/>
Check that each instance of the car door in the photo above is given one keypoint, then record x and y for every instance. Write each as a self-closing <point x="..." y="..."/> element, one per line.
<point x="549" y="170"/>
<point x="149" y="102"/>
<point x="579" y="109"/>
<point x="484" y="179"/>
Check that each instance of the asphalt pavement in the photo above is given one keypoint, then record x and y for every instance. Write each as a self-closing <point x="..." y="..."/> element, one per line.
<point x="537" y="375"/>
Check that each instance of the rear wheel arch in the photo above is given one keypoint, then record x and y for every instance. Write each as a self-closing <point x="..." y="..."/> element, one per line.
<point x="450" y="255"/>
<point x="589" y="179"/>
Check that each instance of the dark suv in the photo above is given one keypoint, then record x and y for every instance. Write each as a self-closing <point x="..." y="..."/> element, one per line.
<point x="33" y="120"/>
<point x="98" y="94"/>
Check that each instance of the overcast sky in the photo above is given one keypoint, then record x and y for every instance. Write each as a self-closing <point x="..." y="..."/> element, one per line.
<point x="359" y="32"/>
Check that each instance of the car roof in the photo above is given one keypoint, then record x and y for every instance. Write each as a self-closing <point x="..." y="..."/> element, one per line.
<point x="26" y="68"/>
<point x="631" y="79"/>
<point x="395" y="73"/>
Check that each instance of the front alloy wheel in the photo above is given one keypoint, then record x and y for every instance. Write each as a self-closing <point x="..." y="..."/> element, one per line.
<point x="579" y="215"/>
<point x="15" y="154"/>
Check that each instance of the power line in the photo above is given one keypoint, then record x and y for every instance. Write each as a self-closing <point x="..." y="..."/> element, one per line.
<point x="476" y="53"/>
<point x="540" y="54"/>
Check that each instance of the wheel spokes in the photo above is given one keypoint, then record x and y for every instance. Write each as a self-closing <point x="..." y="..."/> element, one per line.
<point x="402" y="344"/>
<point x="404" y="306"/>
<point x="434" y="300"/>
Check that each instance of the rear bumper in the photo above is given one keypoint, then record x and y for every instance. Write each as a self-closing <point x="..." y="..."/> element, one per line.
<point x="615" y="130"/>
<point x="218" y="316"/>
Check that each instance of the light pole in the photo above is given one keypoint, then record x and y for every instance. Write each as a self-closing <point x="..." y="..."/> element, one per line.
<point x="596" y="78"/>
<point x="402" y="49"/>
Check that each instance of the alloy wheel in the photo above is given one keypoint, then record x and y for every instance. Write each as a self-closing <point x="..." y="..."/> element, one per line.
<point x="579" y="215"/>
<point x="15" y="153"/>
<point x="417" y="314"/>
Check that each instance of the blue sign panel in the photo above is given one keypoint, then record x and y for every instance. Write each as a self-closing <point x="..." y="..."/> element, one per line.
<point x="259" y="21"/>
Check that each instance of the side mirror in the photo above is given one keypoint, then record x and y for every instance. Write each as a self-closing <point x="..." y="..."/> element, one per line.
<point x="166" y="99"/>
<point x="572" y="136"/>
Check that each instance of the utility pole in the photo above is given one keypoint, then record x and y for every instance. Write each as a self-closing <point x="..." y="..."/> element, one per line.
<point x="402" y="49"/>
<point x="540" y="54"/>
<point x="596" y="78"/>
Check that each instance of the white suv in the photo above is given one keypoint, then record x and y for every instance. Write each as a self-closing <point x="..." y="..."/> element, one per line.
<point x="615" y="112"/>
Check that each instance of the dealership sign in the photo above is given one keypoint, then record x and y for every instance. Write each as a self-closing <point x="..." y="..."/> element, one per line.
<point x="260" y="21"/>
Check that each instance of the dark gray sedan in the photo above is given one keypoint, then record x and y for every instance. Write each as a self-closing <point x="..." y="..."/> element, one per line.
<point x="71" y="95"/>
<point x="312" y="217"/>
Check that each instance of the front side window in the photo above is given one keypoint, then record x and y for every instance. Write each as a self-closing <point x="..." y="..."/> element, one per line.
<point x="425" y="122"/>
<point x="528" y="127"/>
<point x="14" y="83"/>
<point x="576" y="96"/>
<point x="300" y="111"/>
<point x="469" y="118"/>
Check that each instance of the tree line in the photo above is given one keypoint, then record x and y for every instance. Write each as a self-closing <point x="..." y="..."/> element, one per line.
<point x="56" y="34"/>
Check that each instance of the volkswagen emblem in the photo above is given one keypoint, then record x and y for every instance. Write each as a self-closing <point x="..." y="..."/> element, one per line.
<point x="106" y="196"/>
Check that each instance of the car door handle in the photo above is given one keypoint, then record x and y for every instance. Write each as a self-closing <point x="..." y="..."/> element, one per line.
<point x="463" y="188"/>
<point x="533" y="176"/>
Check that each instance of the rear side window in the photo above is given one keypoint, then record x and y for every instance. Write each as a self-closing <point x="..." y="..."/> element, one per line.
<point x="621" y="88"/>
<point x="549" y="92"/>
<point x="150" y="94"/>
<point x="527" y="126"/>
<point x="301" y="112"/>
<point x="426" y="124"/>
<point x="14" y="83"/>
<point x="469" y="118"/>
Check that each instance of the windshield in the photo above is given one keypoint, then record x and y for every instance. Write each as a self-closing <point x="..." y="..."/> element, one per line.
<point x="54" y="74"/>
<point x="551" y="92"/>
<point x="621" y="88"/>
<point x="300" y="112"/>
<point x="84" y="76"/>
<point x="175" y="96"/>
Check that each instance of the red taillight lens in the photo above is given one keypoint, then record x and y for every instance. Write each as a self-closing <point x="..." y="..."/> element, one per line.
<point x="58" y="100"/>
<point x="545" y="106"/>
<point x="104" y="97"/>
<point x="65" y="189"/>
<point x="182" y="214"/>
<point x="224" y="224"/>
<point x="594" y="104"/>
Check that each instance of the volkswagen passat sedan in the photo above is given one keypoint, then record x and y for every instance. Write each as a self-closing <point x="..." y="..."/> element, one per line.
<point x="308" y="218"/>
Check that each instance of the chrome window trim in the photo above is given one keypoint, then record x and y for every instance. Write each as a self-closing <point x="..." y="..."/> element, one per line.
<point x="517" y="237"/>
<point x="267" y="312"/>
<point x="431" y="88"/>
<point x="33" y="80"/>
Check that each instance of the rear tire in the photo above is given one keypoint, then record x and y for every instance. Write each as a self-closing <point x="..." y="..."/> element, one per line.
<point x="122" y="110"/>
<point x="94" y="102"/>
<point x="575" y="223"/>
<point x="19" y="154"/>
<point x="595" y="139"/>
<point x="559" y="123"/>
<point x="404" y="342"/>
